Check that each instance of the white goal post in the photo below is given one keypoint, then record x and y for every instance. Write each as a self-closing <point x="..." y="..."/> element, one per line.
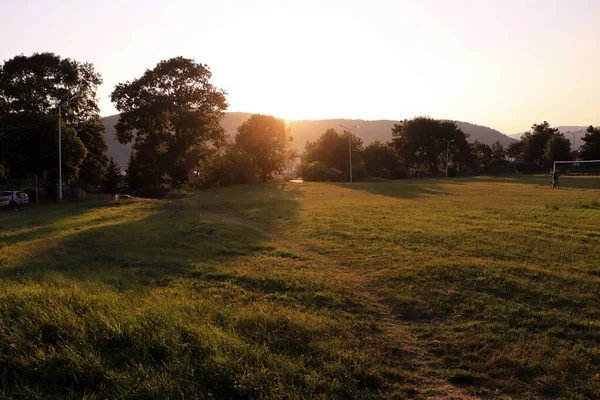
<point x="573" y="162"/>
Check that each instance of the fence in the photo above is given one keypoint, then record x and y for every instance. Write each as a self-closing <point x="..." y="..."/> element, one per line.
<point x="46" y="190"/>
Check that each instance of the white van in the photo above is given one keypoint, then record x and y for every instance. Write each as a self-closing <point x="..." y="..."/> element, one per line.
<point x="12" y="198"/>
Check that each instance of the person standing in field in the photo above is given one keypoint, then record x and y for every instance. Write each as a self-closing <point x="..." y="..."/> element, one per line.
<point x="554" y="179"/>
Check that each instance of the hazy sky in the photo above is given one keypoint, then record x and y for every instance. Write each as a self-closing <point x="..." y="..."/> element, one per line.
<point x="504" y="64"/>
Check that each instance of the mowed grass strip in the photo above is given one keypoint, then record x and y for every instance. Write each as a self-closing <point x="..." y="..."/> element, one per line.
<point x="415" y="289"/>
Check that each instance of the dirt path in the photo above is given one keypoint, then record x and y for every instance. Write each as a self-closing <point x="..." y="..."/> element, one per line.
<point x="398" y="332"/>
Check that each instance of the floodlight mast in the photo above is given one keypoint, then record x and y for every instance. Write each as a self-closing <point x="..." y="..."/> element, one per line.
<point x="350" y="145"/>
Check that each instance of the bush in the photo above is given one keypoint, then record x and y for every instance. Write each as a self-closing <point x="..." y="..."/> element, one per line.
<point x="152" y="192"/>
<point x="400" y="172"/>
<point x="359" y="172"/>
<point x="317" y="171"/>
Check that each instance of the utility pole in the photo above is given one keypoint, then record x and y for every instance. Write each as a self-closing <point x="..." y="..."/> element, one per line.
<point x="59" y="153"/>
<point x="60" y="107"/>
<point x="447" y="154"/>
<point x="350" y="146"/>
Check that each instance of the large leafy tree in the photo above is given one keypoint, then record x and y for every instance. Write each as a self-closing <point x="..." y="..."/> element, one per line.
<point x="535" y="142"/>
<point x="483" y="154"/>
<point x="515" y="149"/>
<point x="31" y="88"/>
<point x="421" y="143"/>
<point x="380" y="156"/>
<point x="168" y="112"/>
<point x="29" y="145"/>
<point x="331" y="148"/>
<point x="266" y="139"/>
<point x="557" y="148"/>
<point x="591" y="144"/>
<point x="498" y="153"/>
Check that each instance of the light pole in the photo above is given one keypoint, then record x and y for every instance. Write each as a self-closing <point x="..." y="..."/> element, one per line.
<point x="447" y="154"/>
<point x="60" y="106"/>
<point x="350" y="145"/>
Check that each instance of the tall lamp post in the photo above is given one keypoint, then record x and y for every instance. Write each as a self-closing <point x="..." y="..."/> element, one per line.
<point x="60" y="107"/>
<point x="447" y="154"/>
<point x="350" y="145"/>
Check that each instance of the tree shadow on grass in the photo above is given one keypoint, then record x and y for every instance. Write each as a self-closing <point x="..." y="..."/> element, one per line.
<point x="404" y="189"/>
<point x="212" y="265"/>
<point x="173" y="242"/>
<point x="39" y="221"/>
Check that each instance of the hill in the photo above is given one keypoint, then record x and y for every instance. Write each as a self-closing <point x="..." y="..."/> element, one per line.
<point x="309" y="130"/>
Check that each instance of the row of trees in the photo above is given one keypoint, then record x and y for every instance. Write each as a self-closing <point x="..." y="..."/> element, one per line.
<point x="419" y="144"/>
<point x="543" y="144"/>
<point x="172" y="113"/>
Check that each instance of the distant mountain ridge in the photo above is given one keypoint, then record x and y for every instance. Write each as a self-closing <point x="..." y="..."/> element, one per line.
<point x="309" y="130"/>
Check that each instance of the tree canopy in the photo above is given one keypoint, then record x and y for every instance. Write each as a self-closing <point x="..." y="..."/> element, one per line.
<point x="421" y="143"/>
<point x="591" y="144"/>
<point x="331" y="149"/>
<point x="534" y="143"/>
<point x="483" y="154"/>
<point x="380" y="156"/>
<point x="31" y="89"/>
<point x="558" y="148"/>
<point x="168" y="113"/>
<point x="267" y="141"/>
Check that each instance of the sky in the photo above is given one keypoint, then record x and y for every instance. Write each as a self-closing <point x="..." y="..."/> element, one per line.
<point x="505" y="64"/>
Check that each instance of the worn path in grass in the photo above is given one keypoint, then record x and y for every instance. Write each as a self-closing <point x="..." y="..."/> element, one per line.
<point x="398" y="333"/>
<point x="495" y="279"/>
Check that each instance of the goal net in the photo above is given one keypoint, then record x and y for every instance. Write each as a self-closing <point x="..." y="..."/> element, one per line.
<point x="570" y="173"/>
<point x="582" y="167"/>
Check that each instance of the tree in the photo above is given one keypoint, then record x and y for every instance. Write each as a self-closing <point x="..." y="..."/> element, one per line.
<point x="515" y="150"/>
<point x="558" y="148"/>
<point x="91" y="134"/>
<point x="380" y="157"/>
<point x="266" y="140"/>
<point x="483" y="154"/>
<point x="591" y="146"/>
<point x="30" y="146"/>
<point x="167" y="112"/>
<point x="498" y="154"/>
<point x="534" y="143"/>
<point x="3" y="172"/>
<point x="331" y="148"/>
<point x="31" y="88"/>
<point x="112" y="177"/>
<point x="421" y="143"/>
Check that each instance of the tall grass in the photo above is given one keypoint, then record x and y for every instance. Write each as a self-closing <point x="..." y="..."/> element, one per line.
<point x="415" y="289"/>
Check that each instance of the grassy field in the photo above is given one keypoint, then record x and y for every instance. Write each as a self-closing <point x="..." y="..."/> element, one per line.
<point x="458" y="289"/>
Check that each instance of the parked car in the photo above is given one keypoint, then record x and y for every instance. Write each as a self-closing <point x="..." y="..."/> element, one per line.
<point x="125" y="197"/>
<point x="12" y="198"/>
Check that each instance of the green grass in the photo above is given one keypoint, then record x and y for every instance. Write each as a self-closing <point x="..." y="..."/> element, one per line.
<point x="463" y="288"/>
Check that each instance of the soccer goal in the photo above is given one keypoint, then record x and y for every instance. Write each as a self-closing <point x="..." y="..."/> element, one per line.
<point x="576" y="164"/>
<point x="573" y="173"/>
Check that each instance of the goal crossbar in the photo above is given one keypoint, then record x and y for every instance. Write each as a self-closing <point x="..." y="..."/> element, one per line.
<point x="573" y="162"/>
